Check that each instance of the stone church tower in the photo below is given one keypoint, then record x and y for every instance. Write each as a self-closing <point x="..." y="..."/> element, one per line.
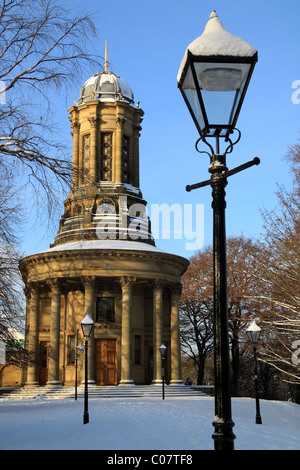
<point x="104" y="260"/>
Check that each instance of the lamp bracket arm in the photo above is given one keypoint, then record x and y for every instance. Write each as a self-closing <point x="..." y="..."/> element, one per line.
<point x="255" y="161"/>
<point x="190" y="187"/>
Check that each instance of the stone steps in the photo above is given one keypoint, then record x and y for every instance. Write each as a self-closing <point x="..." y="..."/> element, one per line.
<point x="94" y="391"/>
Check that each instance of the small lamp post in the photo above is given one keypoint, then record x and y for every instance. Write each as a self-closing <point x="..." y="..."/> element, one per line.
<point x="162" y="350"/>
<point x="213" y="79"/>
<point x="87" y="326"/>
<point x="79" y="350"/>
<point x="253" y="333"/>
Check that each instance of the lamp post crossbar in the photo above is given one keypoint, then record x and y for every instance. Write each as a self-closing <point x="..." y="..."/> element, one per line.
<point x="244" y="166"/>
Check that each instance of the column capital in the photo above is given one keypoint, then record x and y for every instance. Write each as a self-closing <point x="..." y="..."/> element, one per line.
<point x="94" y="122"/>
<point x="159" y="284"/>
<point x="120" y="121"/>
<point x="75" y="126"/>
<point x="88" y="281"/>
<point x="127" y="281"/>
<point x="32" y="287"/>
<point x="54" y="283"/>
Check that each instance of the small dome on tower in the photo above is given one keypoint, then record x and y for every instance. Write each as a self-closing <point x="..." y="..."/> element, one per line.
<point x="107" y="87"/>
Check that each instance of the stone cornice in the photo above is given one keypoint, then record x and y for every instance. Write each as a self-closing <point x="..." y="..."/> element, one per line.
<point x="140" y="257"/>
<point x="64" y="254"/>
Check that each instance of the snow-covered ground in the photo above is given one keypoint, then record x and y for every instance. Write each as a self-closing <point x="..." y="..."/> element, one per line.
<point x="143" y="424"/>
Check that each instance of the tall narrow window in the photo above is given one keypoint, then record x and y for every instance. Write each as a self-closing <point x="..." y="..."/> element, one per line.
<point x="86" y="154"/>
<point x="106" y="157"/>
<point x="105" y="309"/>
<point x="125" y="160"/>
<point x="71" y="349"/>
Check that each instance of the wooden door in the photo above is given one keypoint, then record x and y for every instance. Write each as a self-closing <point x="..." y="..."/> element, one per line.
<point x="43" y="362"/>
<point x="106" y="361"/>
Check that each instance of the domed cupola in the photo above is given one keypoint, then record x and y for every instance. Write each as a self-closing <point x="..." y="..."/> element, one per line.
<point x="105" y="86"/>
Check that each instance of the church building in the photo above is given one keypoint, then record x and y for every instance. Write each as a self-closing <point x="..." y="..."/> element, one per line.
<point x="104" y="260"/>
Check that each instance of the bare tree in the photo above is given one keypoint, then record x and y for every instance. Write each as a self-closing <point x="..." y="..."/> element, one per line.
<point x="43" y="50"/>
<point x="197" y="302"/>
<point x="279" y="269"/>
<point x="43" y="47"/>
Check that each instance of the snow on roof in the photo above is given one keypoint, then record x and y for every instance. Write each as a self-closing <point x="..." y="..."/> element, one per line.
<point x="104" y="245"/>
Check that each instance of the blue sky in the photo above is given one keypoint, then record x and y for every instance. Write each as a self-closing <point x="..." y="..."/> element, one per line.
<point x="146" y="42"/>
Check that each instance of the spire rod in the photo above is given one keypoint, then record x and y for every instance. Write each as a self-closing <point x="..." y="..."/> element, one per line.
<point x="105" y="60"/>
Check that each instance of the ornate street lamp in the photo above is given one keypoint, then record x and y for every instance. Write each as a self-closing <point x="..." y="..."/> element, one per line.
<point x="213" y="78"/>
<point x="79" y="350"/>
<point x="87" y="326"/>
<point x="162" y="350"/>
<point x="253" y="333"/>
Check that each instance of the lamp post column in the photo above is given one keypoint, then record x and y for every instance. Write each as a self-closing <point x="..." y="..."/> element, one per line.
<point x="86" y="410"/>
<point x="258" y="419"/>
<point x="223" y="424"/>
<point x="87" y="325"/>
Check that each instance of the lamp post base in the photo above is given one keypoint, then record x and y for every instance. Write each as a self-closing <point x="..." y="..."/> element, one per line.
<point x="86" y="418"/>
<point x="223" y="436"/>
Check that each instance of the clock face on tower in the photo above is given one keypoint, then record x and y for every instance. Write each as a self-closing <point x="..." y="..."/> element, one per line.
<point x="106" y="206"/>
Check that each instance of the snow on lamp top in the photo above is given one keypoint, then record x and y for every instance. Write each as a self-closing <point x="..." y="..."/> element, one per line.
<point x="216" y="41"/>
<point x="253" y="332"/>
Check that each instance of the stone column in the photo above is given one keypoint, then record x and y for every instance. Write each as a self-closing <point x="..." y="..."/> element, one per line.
<point x="157" y="330"/>
<point x="118" y="152"/>
<point x="32" y="337"/>
<point x="93" y="151"/>
<point x="89" y="307"/>
<point x="53" y="371"/>
<point x="126" y="346"/>
<point x="75" y="171"/>
<point x="176" y="378"/>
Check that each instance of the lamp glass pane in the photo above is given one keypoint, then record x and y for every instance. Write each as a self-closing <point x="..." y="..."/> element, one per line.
<point x="191" y="96"/>
<point x="218" y="106"/>
<point x="253" y="335"/>
<point x="162" y="349"/>
<point x="221" y="86"/>
<point x="87" y="325"/>
<point x="86" y="329"/>
<point x="221" y="76"/>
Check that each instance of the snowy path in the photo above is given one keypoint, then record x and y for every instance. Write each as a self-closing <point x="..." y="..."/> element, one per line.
<point x="142" y="424"/>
